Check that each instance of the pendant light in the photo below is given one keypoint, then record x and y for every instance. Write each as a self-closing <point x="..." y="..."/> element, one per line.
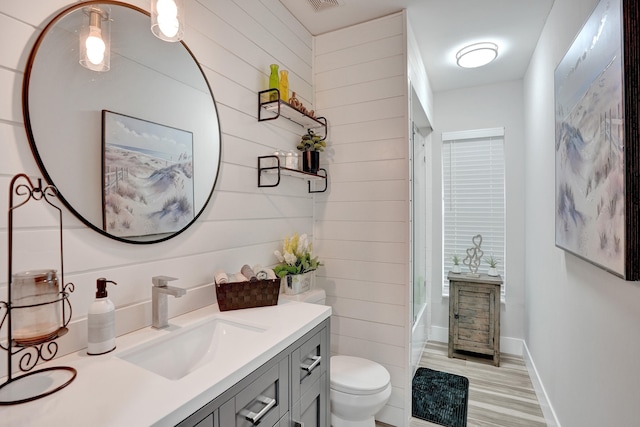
<point x="95" y="53"/>
<point x="167" y="19"/>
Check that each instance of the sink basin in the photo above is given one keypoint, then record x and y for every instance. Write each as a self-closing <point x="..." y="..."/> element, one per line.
<point x="185" y="350"/>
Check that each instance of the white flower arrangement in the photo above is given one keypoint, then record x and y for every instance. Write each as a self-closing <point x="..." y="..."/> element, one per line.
<point x="296" y="256"/>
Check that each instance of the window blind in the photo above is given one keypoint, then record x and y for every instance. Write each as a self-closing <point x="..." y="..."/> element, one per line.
<point x="473" y="197"/>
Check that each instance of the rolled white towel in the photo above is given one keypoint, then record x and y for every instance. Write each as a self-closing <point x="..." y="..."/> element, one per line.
<point x="260" y="272"/>
<point x="271" y="275"/>
<point x="220" y="277"/>
<point x="239" y="277"/>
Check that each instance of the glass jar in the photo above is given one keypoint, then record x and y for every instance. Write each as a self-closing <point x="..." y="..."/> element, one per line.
<point x="282" y="156"/>
<point x="35" y="306"/>
<point x="292" y="160"/>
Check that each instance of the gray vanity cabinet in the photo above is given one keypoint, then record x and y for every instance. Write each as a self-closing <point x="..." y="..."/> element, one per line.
<point x="263" y="401"/>
<point x="311" y="409"/>
<point x="290" y="388"/>
<point x="309" y="376"/>
<point x="210" y="421"/>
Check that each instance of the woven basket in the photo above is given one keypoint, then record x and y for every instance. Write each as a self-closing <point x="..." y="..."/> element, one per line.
<point x="236" y="295"/>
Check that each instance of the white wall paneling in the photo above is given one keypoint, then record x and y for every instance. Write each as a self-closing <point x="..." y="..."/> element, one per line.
<point x="234" y="41"/>
<point x="362" y="224"/>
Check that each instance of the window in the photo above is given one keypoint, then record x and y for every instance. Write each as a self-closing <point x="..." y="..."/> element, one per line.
<point x="473" y="197"/>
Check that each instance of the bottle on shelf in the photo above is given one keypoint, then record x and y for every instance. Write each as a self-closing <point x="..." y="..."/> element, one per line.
<point x="284" y="85"/>
<point x="274" y="82"/>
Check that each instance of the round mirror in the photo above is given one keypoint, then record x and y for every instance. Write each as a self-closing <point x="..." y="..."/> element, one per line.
<point x="134" y="151"/>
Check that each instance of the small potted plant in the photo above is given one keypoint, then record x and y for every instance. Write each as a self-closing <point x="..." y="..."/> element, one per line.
<point x="297" y="264"/>
<point x="493" y="265"/>
<point x="456" y="264"/>
<point x="311" y="144"/>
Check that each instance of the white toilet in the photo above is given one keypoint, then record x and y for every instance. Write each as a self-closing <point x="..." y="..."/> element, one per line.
<point x="359" y="387"/>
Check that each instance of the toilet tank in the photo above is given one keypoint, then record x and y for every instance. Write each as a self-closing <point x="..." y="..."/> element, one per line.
<point x="313" y="296"/>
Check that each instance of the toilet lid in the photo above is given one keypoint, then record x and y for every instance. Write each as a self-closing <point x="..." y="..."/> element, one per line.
<point x="355" y="375"/>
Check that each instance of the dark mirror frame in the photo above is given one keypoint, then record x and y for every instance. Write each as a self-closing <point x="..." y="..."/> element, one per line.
<point x="40" y="161"/>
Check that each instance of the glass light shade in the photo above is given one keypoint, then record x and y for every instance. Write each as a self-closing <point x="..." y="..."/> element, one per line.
<point x="477" y="55"/>
<point x="167" y="19"/>
<point x="95" y="39"/>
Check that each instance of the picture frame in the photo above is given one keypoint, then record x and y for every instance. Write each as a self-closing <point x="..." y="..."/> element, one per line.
<point x="147" y="177"/>
<point x="597" y="161"/>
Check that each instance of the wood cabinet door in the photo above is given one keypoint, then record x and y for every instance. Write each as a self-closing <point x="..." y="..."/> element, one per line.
<point x="474" y="317"/>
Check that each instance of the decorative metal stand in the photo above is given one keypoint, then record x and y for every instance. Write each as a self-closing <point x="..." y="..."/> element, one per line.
<point x="474" y="256"/>
<point x="38" y="350"/>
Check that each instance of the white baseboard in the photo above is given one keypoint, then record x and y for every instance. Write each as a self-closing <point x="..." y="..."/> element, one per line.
<point x="516" y="347"/>
<point x="507" y="345"/>
<point x="543" y="399"/>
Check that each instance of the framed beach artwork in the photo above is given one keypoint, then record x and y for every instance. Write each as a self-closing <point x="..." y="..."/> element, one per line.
<point x="147" y="177"/>
<point x="597" y="136"/>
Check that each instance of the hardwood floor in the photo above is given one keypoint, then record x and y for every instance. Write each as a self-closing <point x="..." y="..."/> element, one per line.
<point x="498" y="397"/>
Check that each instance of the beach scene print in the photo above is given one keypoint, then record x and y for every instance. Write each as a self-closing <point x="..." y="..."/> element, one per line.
<point x="147" y="177"/>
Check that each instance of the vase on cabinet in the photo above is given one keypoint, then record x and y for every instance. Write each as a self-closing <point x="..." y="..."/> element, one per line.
<point x="492" y="272"/>
<point x="311" y="161"/>
<point x="295" y="284"/>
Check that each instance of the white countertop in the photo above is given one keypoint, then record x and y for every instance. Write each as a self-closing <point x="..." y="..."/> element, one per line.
<point x="109" y="391"/>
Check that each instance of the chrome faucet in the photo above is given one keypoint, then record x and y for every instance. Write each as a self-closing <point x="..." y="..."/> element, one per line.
<point x="159" y="292"/>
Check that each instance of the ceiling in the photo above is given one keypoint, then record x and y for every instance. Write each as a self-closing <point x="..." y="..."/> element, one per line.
<point x="442" y="27"/>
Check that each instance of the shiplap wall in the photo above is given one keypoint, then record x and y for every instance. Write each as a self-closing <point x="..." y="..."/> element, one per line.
<point x="235" y="41"/>
<point x="362" y="224"/>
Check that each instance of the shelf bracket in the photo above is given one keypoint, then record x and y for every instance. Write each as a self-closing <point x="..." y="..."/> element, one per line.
<point x="325" y="182"/>
<point x="267" y="168"/>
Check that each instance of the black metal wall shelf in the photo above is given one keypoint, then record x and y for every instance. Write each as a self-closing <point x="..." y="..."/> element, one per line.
<point x="275" y="169"/>
<point x="271" y="107"/>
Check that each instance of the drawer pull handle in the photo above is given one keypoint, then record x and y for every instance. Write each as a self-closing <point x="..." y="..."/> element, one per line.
<point x="255" y="418"/>
<point x="316" y="362"/>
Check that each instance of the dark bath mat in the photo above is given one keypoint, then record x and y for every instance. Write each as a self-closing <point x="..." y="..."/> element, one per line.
<point x="440" y="397"/>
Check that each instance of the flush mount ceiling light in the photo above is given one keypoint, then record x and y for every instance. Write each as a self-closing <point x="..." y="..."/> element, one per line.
<point x="477" y="55"/>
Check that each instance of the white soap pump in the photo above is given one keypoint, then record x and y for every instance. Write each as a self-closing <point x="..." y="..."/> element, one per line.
<point x="101" y="321"/>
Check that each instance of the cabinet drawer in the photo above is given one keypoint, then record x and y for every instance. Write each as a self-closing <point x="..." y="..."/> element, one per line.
<point x="264" y="401"/>
<point x="308" y="362"/>
<point x="311" y="409"/>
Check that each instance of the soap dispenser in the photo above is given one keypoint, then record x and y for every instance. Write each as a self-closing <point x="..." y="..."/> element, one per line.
<point x="101" y="321"/>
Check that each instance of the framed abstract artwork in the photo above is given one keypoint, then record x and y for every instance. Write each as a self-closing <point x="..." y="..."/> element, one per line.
<point x="147" y="177"/>
<point x="597" y="157"/>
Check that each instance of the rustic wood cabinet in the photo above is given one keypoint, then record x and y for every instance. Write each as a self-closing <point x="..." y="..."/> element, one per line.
<point x="474" y="315"/>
